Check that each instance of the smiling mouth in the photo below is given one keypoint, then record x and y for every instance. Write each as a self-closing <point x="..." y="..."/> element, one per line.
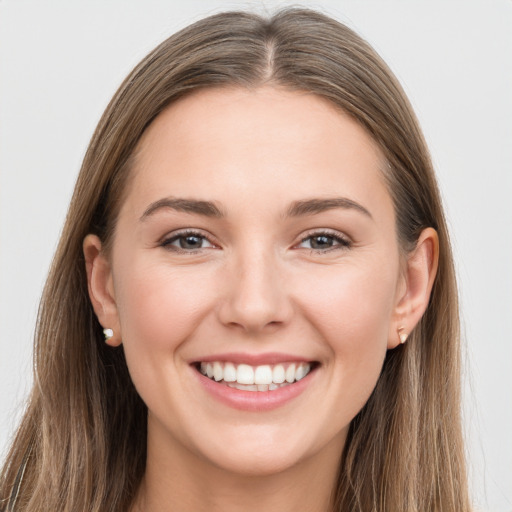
<point x="255" y="378"/>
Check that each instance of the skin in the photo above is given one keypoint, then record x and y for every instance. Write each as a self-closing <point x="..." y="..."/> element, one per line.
<point x="255" y="286"/>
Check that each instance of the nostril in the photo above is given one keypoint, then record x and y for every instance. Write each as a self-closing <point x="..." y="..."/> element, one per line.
<point x="255" y="299"/>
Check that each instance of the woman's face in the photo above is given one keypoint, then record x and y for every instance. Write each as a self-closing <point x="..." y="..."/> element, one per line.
<point x="256" y="242"/>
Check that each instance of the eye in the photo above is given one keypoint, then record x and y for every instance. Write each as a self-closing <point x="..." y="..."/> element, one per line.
<point x="324" y="241"/>
<point x="187" y="242"/>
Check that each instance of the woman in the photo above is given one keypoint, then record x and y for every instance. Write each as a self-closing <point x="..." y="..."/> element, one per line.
<point x="253" y="303"/>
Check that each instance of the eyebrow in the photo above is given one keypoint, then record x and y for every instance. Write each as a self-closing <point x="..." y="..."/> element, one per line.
<point x="206" y="208"/>
<point x="314" y="206"/>
<point x="296" y="209"/>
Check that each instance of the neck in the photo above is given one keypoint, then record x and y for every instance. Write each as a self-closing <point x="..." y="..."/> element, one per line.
<point x="176" y="479"/>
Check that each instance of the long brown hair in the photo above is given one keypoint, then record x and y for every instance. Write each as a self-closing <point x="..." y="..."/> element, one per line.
<point x="82" y="442"/>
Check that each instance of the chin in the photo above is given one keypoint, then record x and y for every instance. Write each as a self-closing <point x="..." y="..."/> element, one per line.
<point x="260" y="452"/>
<point x="261" y="464"/>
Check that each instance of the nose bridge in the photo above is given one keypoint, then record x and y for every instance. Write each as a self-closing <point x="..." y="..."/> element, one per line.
<point x="257" y="297"/>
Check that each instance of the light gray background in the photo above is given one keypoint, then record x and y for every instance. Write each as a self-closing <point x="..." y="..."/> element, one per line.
<point x="60" y="62"/>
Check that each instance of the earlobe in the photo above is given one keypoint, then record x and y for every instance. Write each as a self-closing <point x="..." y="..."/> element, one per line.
<point x="419" y="276"/>
<point x="101" y="290"/>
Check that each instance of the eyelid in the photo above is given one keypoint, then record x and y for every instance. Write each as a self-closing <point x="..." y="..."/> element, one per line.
<point x="167" y="240"/>
<point x="345" y="242"/>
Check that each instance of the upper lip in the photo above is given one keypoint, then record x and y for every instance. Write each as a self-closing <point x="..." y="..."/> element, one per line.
<point x="252" y="359"/>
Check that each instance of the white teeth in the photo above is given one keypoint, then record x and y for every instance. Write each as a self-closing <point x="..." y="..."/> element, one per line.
<point x="218" y="373"/>
<point x="278" y="374"/>
<point x="290" y="373"/>
<point x="255" y="387"/>
<point x="255" y="378"/>
<point x="243" y="387"/>
<point x="245" y="374"/>
<point x="263" y="375"/>
<point x="229" y="372"/>
<point x="301" y="372"/>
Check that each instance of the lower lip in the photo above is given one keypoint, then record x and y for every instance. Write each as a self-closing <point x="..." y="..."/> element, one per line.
<point x="255" y="400"/>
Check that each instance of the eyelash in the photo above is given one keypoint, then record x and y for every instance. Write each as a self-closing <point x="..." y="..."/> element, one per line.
<point x="341" y="242"/>
<point x="167" y="243"/>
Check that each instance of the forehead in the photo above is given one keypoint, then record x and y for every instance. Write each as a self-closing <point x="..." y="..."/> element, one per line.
<point x="240" y="144"/>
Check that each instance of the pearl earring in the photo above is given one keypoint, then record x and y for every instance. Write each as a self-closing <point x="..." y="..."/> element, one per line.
<point x="402" y="335"/>
<point x="109" y="333"/>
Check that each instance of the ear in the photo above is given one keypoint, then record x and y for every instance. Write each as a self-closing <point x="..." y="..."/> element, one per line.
<point x="415" y="287"/>
<point x="101" y="287"/>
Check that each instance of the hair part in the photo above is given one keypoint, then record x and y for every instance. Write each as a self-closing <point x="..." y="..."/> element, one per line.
<point x="82" y="442"/>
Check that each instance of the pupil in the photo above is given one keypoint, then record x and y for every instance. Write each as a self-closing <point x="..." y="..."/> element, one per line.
<point x="321" y="242"/>
<point x="190" y="242"/>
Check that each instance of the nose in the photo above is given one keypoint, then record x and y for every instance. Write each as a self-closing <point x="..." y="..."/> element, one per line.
<point x="256" y="299"/>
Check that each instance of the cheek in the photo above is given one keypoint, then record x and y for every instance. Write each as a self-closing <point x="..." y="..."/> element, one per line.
<point x="351" y="305"/>
<point x="159" y="307"/>
<point x="352" y="310"/>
